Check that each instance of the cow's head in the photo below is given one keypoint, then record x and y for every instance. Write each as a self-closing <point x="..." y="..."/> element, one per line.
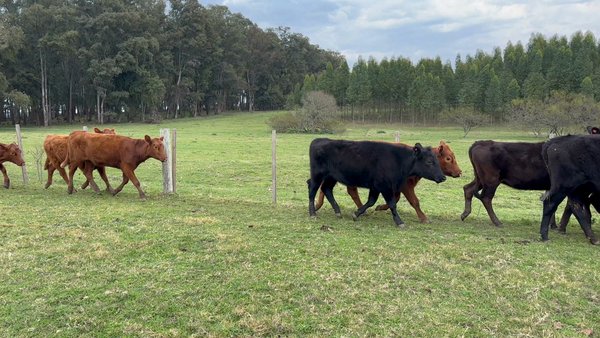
<point x="156" y="148"/>
<point x="427" y="165"/>
<point x="447" y="160"/>
<point x="11" y="153"/>
<point x="105" y="131"/>
<point x="593" y="130"/>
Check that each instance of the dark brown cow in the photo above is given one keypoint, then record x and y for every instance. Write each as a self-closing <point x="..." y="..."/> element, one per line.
<point x="115" y="151"/>
<point x="55" y="147"/>
<point x="449" y="167"/>
<point x="9" y="153"/>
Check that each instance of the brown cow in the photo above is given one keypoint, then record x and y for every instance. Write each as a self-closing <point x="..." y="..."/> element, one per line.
<point x="449" y="167"/>
<point x="56" y="152"/>
<point x="115" y="151"/>
<point x="11" y="153"/>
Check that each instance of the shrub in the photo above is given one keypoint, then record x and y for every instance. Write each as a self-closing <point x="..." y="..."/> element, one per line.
<point x="319" y="114"/>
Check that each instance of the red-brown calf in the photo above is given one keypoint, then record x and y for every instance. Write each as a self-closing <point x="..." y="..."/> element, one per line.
<point x="115" y="151"/>
<point x="56" y="152"/>
<point x="10" y="153"/>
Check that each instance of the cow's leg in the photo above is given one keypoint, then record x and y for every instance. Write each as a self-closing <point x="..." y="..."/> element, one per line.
<point x="409" y="193"/>
<point x="469" y="189"/>
<point x="373" y="196"/>
<point x="313" y="188"/>
<point x="390" y="198"/>
<point x="564" y="220"/>
<point x="128" y="170"/>
<point x="6" y="179"/>
<point x="320" y="199"/>
<point x="327" y="189"/>
<point x="120" y="187"/>
<point x="102" y="172"/>
<point x="72" y="169"/>
<point x="553" y="199"/>
<point x="581" y="210"/>
<point x="63" y="174"/>
<point x="87" y="182"/>
<point x="487" y="194"/>
<point x="353" y="192"/>
<point x="88" y="170"/>
<point x="48" y="166"/>
<point x="383" y="207"/>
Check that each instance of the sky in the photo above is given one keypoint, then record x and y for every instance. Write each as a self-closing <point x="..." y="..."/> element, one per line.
<point x="419" y="28"/>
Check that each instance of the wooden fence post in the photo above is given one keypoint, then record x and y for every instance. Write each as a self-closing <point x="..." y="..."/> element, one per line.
<point x="174" y="160"/>
<point x="84" y="128"/>
<point x="18" y="129"/>
<point x="274" y="165"/>
<point x="397" y="137"/>
<point x="167" y="167"/>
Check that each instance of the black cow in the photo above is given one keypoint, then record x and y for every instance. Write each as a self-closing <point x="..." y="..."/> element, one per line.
<point x="519" y="165"/>
<point x="574" y="168"/>
<point x="378" y="166"/>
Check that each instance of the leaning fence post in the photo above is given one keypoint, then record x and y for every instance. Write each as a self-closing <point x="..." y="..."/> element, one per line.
<point x="167" y="167"/>
<point x="274" y="165"/>
<point x="84" y="128"/>
<point x="18" y="129"/>
<point x="174" y="160"/>
<point x="397" y="137"/>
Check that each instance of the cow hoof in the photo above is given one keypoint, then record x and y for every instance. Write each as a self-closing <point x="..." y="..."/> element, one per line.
<point x="402" y="226"/>
<point x="313" y="217"/>
<point x="47" y="185"/>
<point x="426" y="221"/>
<point x="499" y="225"/>
<point x="561" y="231"/>
<point x="546" y="241"/>
<point x="339" y="215"/>
<point x="6" y="186"/>
<point x="354" y="217"/>
<point x="463" y="216"/>
<point x="595" y="241"/>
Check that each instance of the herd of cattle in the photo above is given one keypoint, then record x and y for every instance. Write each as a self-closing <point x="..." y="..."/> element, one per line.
<point x="566" y="166"/>
<point x="89" y="152"/>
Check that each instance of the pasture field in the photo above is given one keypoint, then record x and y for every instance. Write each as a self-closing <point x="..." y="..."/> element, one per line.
<point x="219" y="259"/>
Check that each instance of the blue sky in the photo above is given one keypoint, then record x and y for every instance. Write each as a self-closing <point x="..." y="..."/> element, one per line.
<point x="419" y="28"/>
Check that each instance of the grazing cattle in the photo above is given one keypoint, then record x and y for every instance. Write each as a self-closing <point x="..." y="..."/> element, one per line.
<point x="121" y="152"/>
<point x="378" y="166"/>
<point x="55" y="147"/>
<point x="574" y="169"/>
<point x="9" y="153"/>
<point x="449" y="167"/>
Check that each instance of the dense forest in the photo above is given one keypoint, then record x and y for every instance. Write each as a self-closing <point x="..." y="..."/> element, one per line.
<point x="117" y="61"/>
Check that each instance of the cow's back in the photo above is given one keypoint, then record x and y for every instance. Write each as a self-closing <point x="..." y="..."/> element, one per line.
<point x="56" y="148"/>
<point x="517" y="164"/>
<point x="575" y="154"/>
<point x="100" y="149"/>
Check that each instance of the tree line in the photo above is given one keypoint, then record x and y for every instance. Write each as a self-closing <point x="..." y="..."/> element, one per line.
<point x="397" y="89"/>
<point x="117" y="60"/>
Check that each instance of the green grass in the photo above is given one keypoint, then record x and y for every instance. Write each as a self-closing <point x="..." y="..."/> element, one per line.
<point x="219" y="259"/>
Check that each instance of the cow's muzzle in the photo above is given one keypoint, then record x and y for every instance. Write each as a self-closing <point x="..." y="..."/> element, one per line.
<point x="440" y="179"/>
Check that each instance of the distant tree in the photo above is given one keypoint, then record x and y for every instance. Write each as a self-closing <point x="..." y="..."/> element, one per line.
<point x="493" y="96"/>
<point x="527" y="114"/>
<point x="535" y="86"/>
<point x="513" y="91"/>
<point x="587" y="87"/>
<point x="466" y="117"/>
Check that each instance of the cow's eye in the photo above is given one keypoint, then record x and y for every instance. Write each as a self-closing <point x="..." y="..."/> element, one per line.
<point x="448" y="159"/>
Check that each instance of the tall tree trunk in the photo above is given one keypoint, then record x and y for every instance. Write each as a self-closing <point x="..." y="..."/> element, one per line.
<point x="70" y="108"/>
<point x="44" y="88"/>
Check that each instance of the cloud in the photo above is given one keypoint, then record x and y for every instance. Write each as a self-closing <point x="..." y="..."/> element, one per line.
<point x="425" y="28"/>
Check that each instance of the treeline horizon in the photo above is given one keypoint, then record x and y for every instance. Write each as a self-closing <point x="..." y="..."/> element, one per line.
<point x="397" y="89"/>
<point x="117" y="61"/>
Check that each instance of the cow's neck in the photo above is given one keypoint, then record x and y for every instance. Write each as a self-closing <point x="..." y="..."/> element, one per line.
<point x="142" y="155"/>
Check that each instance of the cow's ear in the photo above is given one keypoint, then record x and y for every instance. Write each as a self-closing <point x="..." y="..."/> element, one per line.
<point x="97" y="131"/>
<point x="4" y="147"/>
<point x="418" y="148"/>
<point x="441" y="147"/>
<point x="113" y="130"/>
<point x="148" y="139"/>
<point x="590" y="129"/>
<point x="162" y="138"/>
<point x="595" y="130"/>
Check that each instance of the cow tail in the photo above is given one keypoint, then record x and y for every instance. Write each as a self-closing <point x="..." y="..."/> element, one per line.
<point x="66" y="161"/>
<point x="477" y="185"/>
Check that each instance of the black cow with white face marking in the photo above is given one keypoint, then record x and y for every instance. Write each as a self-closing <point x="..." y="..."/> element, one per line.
<point x="574" y="167"/>
<point x="381" y="167"/>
